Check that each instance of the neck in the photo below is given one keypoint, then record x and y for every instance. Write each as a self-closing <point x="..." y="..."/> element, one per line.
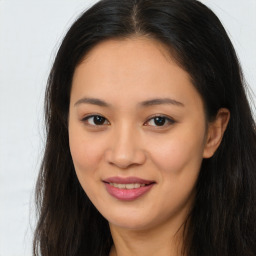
<point x="159" y="241"/>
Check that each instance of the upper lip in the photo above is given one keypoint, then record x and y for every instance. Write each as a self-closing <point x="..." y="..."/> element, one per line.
<point x="128" y="180"/>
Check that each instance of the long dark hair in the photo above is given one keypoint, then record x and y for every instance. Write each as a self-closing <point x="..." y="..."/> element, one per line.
<point x="223" y="219"/>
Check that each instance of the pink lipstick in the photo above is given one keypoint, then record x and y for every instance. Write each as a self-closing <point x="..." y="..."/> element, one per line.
<point x="127" y="188"/>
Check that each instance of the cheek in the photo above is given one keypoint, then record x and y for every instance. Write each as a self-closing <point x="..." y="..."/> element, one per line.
<point x="176" y="154"/>
<point x="178" y="161"/>
<point x="86" y="151"/>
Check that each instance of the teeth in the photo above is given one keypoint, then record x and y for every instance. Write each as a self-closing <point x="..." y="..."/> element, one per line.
<point x="127" y="186"/>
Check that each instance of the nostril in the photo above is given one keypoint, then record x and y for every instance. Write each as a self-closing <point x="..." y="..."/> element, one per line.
<point x="125" y="158"/>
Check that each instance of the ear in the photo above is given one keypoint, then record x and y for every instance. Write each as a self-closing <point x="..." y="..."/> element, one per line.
<point x="215" y="132"/>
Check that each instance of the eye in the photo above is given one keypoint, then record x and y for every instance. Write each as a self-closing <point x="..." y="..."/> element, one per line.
<point x="96" y="120"/>
<point x="159" y="121"/>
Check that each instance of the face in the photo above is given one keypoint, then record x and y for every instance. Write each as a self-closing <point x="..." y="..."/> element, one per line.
<point x="137" y="133"/>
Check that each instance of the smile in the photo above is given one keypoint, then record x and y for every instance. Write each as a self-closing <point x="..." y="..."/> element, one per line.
<point x="127" y="189"/>
<point x="127" y="186"/>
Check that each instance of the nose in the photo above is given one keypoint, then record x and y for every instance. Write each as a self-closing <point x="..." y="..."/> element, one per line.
<point x="125" y="149"/>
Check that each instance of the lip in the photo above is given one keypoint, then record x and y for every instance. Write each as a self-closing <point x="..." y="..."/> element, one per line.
<point x="128" y="180"/>
<point x="127" y="194"/>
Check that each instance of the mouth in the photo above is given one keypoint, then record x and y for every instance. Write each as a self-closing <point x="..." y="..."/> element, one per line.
<point x="127" y="186"/>
<point x="127" y="189"/>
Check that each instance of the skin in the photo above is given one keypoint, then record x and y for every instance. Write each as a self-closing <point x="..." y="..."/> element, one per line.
<point x="124" y="73"/>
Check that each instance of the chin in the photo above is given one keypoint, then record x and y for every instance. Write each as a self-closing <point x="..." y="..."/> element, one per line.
<point x="131" y="221"/>
<point x="136" y="225"/>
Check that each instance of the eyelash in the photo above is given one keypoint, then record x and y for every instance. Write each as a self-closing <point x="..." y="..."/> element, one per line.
<point x="167" y="121"/>
<point x="85" y="119"/>
<point x="103" y="121"/>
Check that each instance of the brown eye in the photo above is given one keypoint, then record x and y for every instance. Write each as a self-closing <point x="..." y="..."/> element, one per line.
<point x="96" y="120"/>
<point x="159" y="121"/>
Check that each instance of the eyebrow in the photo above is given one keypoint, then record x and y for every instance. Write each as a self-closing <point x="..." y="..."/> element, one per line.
<point x="146" y="103"/>
<point x="161" y="101"/>
<point x="92" y="101"/>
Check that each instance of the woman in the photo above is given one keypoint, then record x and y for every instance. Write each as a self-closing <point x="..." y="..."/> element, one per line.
<point x="150" y="139"/>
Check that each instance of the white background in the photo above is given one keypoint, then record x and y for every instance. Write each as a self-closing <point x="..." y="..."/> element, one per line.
<point x="30" y="32"/>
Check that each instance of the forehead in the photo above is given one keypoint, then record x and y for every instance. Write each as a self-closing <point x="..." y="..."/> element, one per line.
<point x="137" y="68"/>
<point x="124" y="46"/>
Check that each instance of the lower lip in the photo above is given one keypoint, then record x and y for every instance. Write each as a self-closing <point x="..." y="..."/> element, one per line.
<point x="127" y="194"/>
